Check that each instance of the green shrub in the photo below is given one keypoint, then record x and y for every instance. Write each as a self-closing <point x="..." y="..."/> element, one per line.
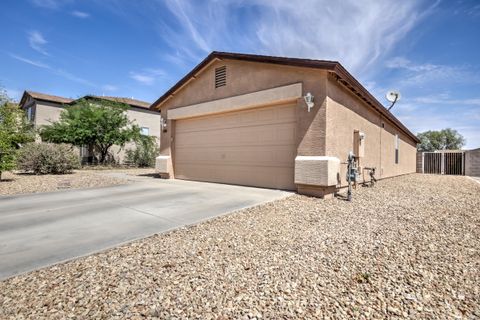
<point x="144" y="154"/>
<point x="47" y="158"/>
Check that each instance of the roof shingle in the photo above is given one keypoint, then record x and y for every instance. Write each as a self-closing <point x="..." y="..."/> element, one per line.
<point x="52" y="98"/>
<point x="129" y="101"/>
<point x="48" y="97"/>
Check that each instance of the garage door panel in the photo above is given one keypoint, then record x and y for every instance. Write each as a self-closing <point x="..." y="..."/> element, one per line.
<point x="250" y="147"/>
<point x="275" y="156"/>
<point x="271" y="134"/>
<point x="266" y="177"/>
<point x="247" y="118"/>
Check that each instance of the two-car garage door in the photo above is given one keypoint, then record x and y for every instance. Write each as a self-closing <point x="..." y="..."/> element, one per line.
<point x="254" y="147"/>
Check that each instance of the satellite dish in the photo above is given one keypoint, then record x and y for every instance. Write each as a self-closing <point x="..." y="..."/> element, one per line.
<point x="393" y="96"/>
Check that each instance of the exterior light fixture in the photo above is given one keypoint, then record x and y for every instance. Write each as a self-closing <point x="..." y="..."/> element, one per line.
<point x="309" y="100"/>
<point x="163" y="124"/>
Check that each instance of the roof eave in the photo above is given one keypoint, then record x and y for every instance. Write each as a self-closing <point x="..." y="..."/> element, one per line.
<point x="169" y="93"/>
<point x="360" y="90"/>
<point x="24" y="97"/>
<point x="332" y="66"/>
<point x="326" y="65"/>
<point x="102" y="98"/>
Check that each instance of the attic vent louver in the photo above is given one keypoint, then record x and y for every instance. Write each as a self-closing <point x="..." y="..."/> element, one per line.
<point x="220" y="76"/>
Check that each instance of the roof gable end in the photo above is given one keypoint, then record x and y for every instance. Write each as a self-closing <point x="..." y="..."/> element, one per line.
<point x="334" y="67"/>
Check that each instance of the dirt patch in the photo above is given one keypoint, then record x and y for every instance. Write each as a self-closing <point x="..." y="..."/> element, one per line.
<point x="19" y="183"/>
<point x="407" y="248"/>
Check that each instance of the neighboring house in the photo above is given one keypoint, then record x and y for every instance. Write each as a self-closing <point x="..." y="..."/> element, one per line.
<point x="43" y="109"/>
<point x="243" y="119"/>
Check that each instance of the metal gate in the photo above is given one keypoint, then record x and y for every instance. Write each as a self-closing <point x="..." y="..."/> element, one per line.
<point x="444" y="162"/>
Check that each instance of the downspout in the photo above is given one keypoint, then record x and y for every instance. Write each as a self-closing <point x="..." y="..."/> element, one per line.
<point x="381" y="133"/>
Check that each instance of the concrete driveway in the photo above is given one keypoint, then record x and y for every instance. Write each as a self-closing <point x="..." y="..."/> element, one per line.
<point x="37" y="230"/>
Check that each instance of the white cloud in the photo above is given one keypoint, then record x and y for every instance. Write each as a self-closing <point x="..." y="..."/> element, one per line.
<point x="445" y="99"/>
<point x="147" y="76"/>
<point x="419" y="74"/>
<point x="72" y="77"/>
<point x="440" y="111"/>
<point x="80" y="14"/>
<point x="37" y="42"/>
<point x="355" y="33"/>
<point x="31" y="62"/>
<point x="368" y="29"/>
<point x="438" y="121"/>
<point x="184" y="14"/>
<point x="176" y="59"/>
<point x="59" y="72"/>
<point x="143" y="78"/>
<point x="156" y="72"/>
<point x="50" y="4"/>
<point x="404" y="63"/>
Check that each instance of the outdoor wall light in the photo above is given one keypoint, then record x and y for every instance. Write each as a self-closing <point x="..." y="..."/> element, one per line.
<point x="163" y="124"/>
<point x="309" y="100"/>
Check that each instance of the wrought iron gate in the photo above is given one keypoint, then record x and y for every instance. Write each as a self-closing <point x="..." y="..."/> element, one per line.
<point x="444" y="162"/>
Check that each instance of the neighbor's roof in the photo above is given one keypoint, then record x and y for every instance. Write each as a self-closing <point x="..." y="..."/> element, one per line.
<point x="341" y="74"/>
<point x="57" y="99"/>
<point x="129" y="101"/>
<point x="45" y="97"/>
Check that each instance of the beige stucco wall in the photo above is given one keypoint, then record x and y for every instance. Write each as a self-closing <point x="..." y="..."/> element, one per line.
<point x="46" y="113"/>
<point x="248" y="77"/>
<point x="347" y="113"/>
<point x="143" y="118"/>
<point x="325" y="131"/>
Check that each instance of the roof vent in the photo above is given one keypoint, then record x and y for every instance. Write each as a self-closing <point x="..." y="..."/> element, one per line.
<point x="220" y="76"/>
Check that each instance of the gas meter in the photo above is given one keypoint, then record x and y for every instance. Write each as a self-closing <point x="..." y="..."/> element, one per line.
<point x="352" y="170"/>
<point x="352" y="173"/>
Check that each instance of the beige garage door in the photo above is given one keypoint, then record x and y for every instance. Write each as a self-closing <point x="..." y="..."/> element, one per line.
<point x="252" y="147"/>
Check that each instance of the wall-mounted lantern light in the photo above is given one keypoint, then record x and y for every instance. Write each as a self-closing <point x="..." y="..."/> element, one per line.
<point x="309" y="100"/>
<point x="163" y="124"/>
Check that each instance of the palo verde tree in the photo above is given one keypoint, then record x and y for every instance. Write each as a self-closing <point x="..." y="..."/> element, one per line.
<point x="96" y="123"/>
<point x="15" y="130"/>
<point x="446" y="139"/>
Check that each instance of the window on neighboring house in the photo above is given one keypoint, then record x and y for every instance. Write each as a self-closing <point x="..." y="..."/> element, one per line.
<point x="220" y="76"/>
<point x="396" y="148"/>
<point x="144" y="131"/>
<point x="29" y="114"/>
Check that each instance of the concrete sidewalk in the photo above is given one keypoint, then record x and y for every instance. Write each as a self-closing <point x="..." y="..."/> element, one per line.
<point x="37" y="230"/>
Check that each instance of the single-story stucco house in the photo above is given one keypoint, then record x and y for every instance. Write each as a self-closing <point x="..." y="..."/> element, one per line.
<point x="43" y="109"/>
<point x="243" y="119"/>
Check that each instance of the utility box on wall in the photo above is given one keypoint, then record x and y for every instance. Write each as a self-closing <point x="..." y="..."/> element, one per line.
<point x="162" y="165"/>
<point x="359" y="143"/>
<point x="317" y="170"/>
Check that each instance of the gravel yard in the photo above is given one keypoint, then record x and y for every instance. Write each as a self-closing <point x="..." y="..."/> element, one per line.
<point x="29" y="183"/>
<point x="407" y="248"/>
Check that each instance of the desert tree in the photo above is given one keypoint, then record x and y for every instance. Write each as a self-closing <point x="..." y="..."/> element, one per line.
<point x="96" y="123"/>
<point x="15" y="130"/>
<point x="446" y="139"/>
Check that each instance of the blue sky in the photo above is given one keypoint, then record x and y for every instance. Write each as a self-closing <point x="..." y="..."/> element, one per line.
<point x="428" y="50"/>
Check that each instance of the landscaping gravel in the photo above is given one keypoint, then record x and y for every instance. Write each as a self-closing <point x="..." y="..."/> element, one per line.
<point x="18" y="183"/>
<point x="407" y="248"/>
